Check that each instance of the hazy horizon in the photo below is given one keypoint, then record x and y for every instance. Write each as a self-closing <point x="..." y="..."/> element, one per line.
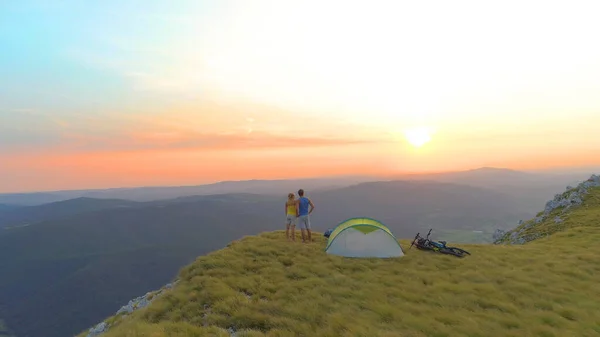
<point x="112" y="94"/>
<point x="582" y="171"/>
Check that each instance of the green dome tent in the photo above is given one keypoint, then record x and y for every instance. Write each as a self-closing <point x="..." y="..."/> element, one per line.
<point x="363" y="237"/>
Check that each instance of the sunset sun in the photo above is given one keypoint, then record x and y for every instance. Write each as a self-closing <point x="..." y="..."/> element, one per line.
<point x="417" y="137"/>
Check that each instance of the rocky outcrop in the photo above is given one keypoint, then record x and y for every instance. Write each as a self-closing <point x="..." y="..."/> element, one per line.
<point x="572" y="197"/>
<point x="498" y="234"/>
<point x="98" y="329"/>
<point x="135" y="304"/>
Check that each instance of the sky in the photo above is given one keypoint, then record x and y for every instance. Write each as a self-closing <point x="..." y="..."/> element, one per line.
<point x="97" y="94"/>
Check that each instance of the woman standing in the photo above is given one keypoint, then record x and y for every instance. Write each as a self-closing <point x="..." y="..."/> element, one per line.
<point x="291" y="212"/>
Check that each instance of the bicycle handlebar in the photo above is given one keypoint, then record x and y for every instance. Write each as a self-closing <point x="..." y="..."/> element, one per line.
<point x="413" y="241"/>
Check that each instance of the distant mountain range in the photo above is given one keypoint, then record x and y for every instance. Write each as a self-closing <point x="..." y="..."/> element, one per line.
<point x="496" y="177"/>
<point x="275" y="187"/>
<point x="530" y="189"/>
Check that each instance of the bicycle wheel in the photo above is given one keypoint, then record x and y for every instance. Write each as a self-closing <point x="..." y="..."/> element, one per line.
<point x="459" y="250"/>
<point x="451" y="251"/>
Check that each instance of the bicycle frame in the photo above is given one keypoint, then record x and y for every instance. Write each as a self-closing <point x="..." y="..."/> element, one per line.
<point x="424" y="243"/>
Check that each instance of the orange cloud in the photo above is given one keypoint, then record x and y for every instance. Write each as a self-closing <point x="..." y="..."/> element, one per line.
<point x="185" y="166"/>
<point x="191" y="140"/>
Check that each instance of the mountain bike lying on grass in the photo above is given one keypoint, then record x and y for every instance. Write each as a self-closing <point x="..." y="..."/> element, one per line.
<point x="426" y="244"/>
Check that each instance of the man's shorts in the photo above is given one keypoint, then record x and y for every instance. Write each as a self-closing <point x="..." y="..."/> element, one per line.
<point x="290" y="220"/>
<point x="304" y="222"/>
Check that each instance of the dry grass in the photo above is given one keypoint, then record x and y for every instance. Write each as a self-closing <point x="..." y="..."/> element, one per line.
<point x="272" y="288"/>
<point x="265" y="286"/>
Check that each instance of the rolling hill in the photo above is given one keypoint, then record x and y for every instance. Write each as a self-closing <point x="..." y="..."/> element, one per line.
<point x="27" y="215"/>
<point x="527" y="188"/>
<point x="264" y="286"/>
<point x="83" y="260"/>
<point x="30" y="199"/>
<point x="4" y="207"/>
<point x="409" y="206"/>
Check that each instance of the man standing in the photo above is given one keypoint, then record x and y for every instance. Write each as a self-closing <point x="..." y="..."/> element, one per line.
<point x="303" y="215"/>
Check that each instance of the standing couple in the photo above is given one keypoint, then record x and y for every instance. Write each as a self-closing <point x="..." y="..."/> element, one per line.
<point x="298" y="209"/>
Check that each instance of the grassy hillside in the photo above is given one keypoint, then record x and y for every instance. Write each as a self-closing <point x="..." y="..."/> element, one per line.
<point x="265" y="286"/>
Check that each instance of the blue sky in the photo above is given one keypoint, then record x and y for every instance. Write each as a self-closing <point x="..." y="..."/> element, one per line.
<point x="67" y="60"/>
<point x="70" y="54"/>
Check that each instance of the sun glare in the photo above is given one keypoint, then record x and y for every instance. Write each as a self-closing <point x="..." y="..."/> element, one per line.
<point x="417" y="136"/>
